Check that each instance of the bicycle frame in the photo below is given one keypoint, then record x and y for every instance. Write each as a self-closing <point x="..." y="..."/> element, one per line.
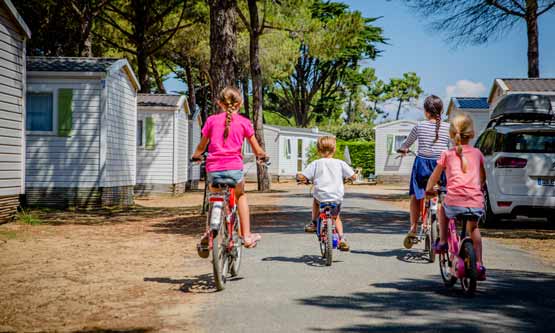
<point x="227" y="197"/>
<point x="455" y="241"/>
<point x="325" y="215"/>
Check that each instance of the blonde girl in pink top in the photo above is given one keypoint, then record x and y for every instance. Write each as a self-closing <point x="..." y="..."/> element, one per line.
<point x="224" y="134"/>
<point x="464" y="168"/>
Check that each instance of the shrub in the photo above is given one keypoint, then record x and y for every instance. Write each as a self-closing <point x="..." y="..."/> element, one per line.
<point x="353" y="132"/>
<point x="361" y="152"/>
<point x="26" y="217"/>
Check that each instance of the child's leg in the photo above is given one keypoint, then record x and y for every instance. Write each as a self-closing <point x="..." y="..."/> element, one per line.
<point x="243" y="208"/>
<point x="414" y="212"/>
<point x="315" y="210"/>
<point x="442" y="222"/>
<point x="339" y="226"/>
<point x="474" y="232"/>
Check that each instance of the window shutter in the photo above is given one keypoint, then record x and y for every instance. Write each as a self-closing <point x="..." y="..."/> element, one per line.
<point x="65" y="112"/>
<point x="389" y="144"/>
<point x="150" y="133"/>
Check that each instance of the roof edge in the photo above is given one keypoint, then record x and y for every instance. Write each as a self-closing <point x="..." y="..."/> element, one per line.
<point x="18" y="18"/>
<point x="389" y="123"/>
<point x="124" y="64"/>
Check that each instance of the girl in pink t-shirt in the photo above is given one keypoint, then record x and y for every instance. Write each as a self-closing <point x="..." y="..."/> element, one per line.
<point x="224" y="134"/>
<point x="464" y="168"/>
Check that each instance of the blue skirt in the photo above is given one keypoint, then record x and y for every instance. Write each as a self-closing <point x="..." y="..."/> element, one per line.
<point x="422" y="169"/>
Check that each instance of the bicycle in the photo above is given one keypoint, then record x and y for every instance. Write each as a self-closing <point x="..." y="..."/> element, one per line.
<point x="326" y="231"/>
<point x="223" y="231"/>
<point x="459" y="262"/>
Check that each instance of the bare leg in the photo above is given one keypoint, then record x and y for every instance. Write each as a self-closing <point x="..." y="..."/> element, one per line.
<point x="442" y="222"/>
<point x="474" y="232"/>
<point x="339" y="226"/>
<point x="243" y="208"/>
<point x="315" y="209"/>
<point x="414" y="212"/>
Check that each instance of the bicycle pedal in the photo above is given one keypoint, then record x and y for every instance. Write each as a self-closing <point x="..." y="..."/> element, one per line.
<point x="202" y="251"/>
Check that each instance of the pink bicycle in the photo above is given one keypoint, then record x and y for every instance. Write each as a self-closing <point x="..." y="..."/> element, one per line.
<point x="459" y="262"/>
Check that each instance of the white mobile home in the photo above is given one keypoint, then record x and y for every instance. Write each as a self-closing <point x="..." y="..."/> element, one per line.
<point x="13" y="35"/>
<point x="195" y="123"/>
<point x="476" y="107"/>
<point x="390" y="166"/>
<point x="288" y="150"/>
<point x="81" y="132"/>
<point x="162" y="144"/>
<point x="503" y="87"/>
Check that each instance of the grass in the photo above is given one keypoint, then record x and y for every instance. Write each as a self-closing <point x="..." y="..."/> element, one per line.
<point x="8" y="234"/>
<point x="26" y="217"/>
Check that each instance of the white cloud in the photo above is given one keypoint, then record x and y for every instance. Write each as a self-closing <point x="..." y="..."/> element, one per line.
<point x="465" y="88"/>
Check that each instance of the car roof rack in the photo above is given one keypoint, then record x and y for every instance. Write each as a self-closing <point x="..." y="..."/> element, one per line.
<point x="522" y="108"/>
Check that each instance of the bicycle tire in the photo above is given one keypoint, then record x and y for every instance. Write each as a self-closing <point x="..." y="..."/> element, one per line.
<point x="431" y="237"/>
<point x="329" y="242"/>
<point x="219" y="255"/>
<point x="469" y="281"/>
<point x="235" y="261"/>
<point x="445" y="270"/>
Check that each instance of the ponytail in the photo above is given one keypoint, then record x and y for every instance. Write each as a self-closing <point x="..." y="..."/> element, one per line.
<point x="434" y="107"/>
<point x="461" y="131"/>
<point x="459" y="150"/>
<point x="229" y="112"/>
<point x="230" y="100"/>
<point x="438" y="126"/>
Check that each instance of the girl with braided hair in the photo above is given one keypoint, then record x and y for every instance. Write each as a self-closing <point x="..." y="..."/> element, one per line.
<point x="464" y="167"/>
<point x="433" y="138"/>
<point x="224" y="134"/>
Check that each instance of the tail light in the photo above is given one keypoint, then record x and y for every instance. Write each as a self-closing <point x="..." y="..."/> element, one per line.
<point x="504" y="203"/>
<point x="511" y="162"/>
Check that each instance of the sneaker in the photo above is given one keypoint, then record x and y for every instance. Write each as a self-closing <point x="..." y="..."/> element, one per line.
<point x="310" y="228"/>
<point x="343" y="246"/>
<point x="203" y="249"/>
<point x="440" y="248"/>
<point x="481" y="273"/>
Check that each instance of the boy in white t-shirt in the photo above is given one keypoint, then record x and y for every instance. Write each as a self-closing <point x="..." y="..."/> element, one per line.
<point x="327" y="174"/>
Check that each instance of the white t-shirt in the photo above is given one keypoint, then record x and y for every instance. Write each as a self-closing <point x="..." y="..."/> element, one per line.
<point x="327" y="176"/>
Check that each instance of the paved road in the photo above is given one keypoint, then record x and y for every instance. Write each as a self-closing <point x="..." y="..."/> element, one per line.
<point x="378" y="287"/>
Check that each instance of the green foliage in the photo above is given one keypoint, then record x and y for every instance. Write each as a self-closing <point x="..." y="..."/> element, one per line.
<point x="27" y="217"/>
<point x="353" y="132"/>
<point x="361" y="152"/>
<point x="404" y="89"/>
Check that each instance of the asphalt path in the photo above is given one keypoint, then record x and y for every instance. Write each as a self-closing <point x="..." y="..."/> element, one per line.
<point x="378" y="287"/>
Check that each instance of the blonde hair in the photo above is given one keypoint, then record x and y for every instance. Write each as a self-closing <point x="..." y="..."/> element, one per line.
<point x="461" y="131"/>
<point x="231" y="101"/>
<point x="326" y="145"/>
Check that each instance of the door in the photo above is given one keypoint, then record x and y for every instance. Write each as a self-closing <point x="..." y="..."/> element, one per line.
<point x="299" y="155"/>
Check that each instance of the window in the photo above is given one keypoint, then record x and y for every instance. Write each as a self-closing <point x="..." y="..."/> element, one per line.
<point x="486" y="145"/>
<point x="40" y="112"/>
<point x="287" y="148"/>
<point x="535" y="142"/>
<point x="247" y="149"/>
<point x="394" y="143"/>
<point x="139" y="133"/>
<point x="399" y="139"/>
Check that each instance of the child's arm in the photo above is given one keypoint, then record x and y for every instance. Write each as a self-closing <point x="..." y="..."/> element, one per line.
<point x="197" y="155"/>
<point x="434" y="179"/>
<point x="257" y="150"/>
<point x="409" y="141"/>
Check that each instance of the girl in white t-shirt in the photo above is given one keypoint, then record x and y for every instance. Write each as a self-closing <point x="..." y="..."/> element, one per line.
<point x="327" y="174"/>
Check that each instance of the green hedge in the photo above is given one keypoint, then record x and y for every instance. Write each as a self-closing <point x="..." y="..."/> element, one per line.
<point x="362" y="154"/>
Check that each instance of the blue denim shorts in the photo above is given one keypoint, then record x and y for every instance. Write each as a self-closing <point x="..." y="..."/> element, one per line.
<point x="236" y="175"/>
<point x="452" y="211"/>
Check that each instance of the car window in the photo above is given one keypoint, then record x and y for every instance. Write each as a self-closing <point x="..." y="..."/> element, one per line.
<point x="488" y="142"/>
<point x="478" y="143"/>
<point x="534" y="142"/>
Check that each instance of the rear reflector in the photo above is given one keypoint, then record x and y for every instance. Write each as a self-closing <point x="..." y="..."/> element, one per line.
<point x="504" y="203"/>
<point x="510" y="162"/>
<point x="216" y="199"/>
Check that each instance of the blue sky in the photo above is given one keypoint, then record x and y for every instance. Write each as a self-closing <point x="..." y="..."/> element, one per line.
<point x="445" y="70"/>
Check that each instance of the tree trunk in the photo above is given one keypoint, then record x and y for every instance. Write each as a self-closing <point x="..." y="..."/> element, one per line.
<point x="142" y="65"/>
<point x="192" y="100"/>
<point x="257" y="94"/>
<point x="532" y="30"/>
<point x="246" y="103"/>
<point x="157" y="77"/>
<point x="399" y="110"/>
<point x="85" y="44"/>
<point x="141" y="45"/>
<point x="223" y="42"/>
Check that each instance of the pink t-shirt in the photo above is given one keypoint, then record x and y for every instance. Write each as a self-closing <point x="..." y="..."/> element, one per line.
<point x="463" y="189"/>
<point x="224" y="155"/>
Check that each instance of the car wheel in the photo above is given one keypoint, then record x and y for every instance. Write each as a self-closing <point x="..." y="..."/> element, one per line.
<point x="489" y="218"/>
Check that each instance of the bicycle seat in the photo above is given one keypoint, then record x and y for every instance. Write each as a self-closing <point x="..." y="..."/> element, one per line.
<point x="224" y="181"/>
<point x="328" y="205"/>
<point x="467" y="216"/>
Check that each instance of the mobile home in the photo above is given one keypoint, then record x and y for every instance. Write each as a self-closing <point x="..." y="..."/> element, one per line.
<point x="390" y="166"/>
<point x="81" y="132"/>
<point x="476" y="107"/>
<point x="162" y="144"/>
<point x="288" y="150"/>
<point x="13" y="35"/>
<point x="195" y="125"/>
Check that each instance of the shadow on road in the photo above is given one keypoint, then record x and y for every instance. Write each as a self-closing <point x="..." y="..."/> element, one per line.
<point x="509" y="301"/>
<point x="310" y="260"/>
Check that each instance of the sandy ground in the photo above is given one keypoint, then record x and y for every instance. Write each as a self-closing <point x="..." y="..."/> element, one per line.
<point x="126" y="271"/>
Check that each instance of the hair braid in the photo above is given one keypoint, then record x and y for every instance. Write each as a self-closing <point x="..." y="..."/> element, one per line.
<point x="230" y="101"/>
<point x="461" y="131"/>
<point x="229" y="112"/>
<point x="438" y="126"/>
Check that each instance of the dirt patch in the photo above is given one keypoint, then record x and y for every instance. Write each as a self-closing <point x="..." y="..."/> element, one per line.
<point x="105" y="270"/>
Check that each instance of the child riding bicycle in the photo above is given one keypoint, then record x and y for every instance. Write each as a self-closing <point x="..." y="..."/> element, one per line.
<point x="464" y="167"/>
<point x="433" y="139"/>
<point x="224" y="134"/>
<point x="327" y="174"/>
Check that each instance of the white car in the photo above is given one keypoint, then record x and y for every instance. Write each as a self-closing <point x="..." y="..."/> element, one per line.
<point x="520" y="169"/>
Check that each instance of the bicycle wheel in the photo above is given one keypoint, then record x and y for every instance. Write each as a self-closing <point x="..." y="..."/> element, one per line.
<point x="220" y="258"/>
<point x="235" y="258"/>
<point x="468" y="283"/>
<point x="445" y="270"/>
<point x="329" y="242"/>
